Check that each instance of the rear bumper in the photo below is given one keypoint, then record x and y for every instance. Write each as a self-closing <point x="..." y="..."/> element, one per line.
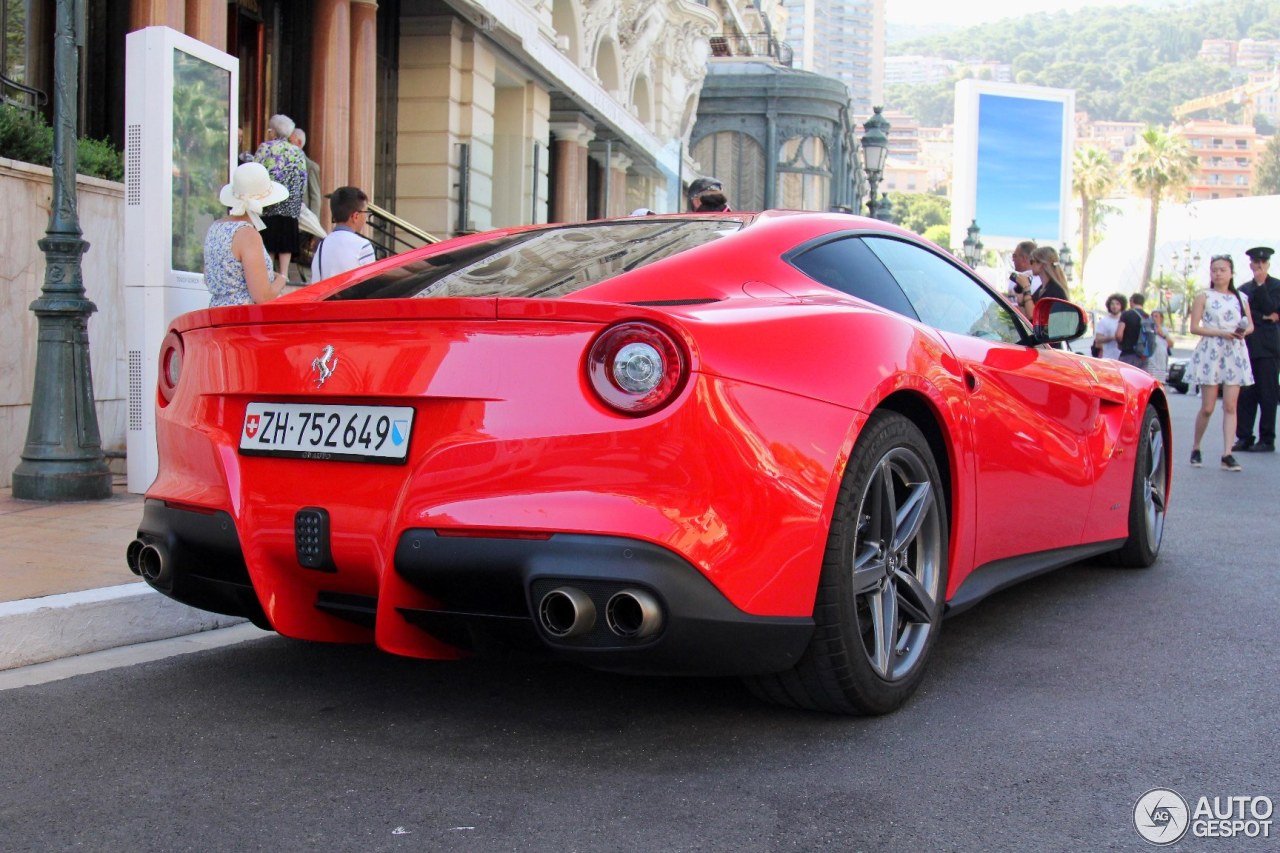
<point x="484" y="595"/>
<point x="205" y="564"/>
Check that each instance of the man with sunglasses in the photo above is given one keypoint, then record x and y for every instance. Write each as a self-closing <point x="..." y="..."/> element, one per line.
<point x="345" y="248"/>
<point x="1259" y="399"/>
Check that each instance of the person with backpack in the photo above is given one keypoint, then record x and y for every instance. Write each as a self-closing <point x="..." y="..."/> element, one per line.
<point x="1136" y="333"/>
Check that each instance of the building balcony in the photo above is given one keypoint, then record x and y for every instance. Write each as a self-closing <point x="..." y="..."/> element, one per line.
<point x="760" y="46"/>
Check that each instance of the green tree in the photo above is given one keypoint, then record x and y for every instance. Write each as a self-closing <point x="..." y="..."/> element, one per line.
<point x="1125" y="62"/>
<point x="920" y="211"/>
<point x="940" y="234"/>
<point x="1159" y="165"/>
<point x="1267" y="181"/>
<point x="1092" y="178"/>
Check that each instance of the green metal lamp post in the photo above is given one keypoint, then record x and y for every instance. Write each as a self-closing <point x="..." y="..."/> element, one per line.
<point x="63" y="458"/>
<point x="875" y="150"/>
<point x="973" y="248"/>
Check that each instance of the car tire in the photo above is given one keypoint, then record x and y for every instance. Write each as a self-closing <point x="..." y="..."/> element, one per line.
<point x="881" y="590"/>
<point x="1147" y="497"/>
<point x="1181" y="387"/>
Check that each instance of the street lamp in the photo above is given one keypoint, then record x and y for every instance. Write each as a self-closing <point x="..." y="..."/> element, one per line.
<point x="63" y="458"/>
<point x="875" y="150"/>
<point x="1068" y="263"/>
<point x="973" y="247"/>
<point x="884" y="210"/>
<point x="1184" y="262"/>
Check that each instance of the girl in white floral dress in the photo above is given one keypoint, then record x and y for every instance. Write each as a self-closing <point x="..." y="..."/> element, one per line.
<point x="1220" y="316"/>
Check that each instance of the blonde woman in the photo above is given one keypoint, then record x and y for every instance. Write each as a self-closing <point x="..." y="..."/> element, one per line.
<point x="1053" y="282"/>
<point x="1220" y="317"/>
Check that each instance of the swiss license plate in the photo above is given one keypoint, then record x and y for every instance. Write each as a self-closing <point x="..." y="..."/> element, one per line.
<point x="324" y="431"/>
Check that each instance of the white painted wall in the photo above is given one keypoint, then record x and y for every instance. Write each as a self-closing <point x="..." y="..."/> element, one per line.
<point x="28" y="191"/>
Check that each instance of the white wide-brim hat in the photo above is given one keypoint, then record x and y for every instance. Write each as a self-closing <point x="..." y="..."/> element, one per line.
<point x="251" y="189"/>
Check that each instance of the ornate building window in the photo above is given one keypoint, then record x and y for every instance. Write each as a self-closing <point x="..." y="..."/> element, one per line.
<point x="804" y="174"/>
<point x="738" y="161"/>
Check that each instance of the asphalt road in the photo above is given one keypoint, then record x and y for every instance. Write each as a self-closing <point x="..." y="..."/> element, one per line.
<point x="1049" y="709"/>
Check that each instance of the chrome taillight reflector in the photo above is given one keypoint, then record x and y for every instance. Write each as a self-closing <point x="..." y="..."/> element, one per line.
<point x="636" y="368"/>
<point x="170" y="366"/>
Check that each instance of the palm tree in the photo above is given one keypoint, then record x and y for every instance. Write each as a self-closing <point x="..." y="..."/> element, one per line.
<point x="1092" y="177"/>
<point x="1161" y="163"/>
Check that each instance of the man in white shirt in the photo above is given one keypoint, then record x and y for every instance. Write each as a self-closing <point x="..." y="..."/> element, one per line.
<point x="344" y="249"/>
<point x="1022" y="275"/>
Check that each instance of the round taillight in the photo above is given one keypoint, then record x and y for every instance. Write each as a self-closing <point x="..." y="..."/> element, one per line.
<point x="636" y="368"/>
<point x="170" y="365"/>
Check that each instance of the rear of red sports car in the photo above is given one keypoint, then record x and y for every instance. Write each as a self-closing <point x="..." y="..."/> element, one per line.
<point x="423" y="461"/>
<point x="674" y="445"/>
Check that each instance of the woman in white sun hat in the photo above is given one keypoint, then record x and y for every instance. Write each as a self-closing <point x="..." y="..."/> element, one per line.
<point x="237" y="268"/>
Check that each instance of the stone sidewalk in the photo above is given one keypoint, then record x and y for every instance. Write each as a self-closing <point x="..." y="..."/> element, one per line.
<point x="65" y="589"/>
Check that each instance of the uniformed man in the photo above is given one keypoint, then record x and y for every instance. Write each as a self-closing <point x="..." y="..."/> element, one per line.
<point x="1259" y="399"/>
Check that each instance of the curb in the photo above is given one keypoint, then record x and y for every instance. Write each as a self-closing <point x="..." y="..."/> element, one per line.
<point x="37" y="630"/>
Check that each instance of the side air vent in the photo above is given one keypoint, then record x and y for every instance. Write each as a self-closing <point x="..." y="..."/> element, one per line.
<point x="133" y="165"/>
<point x="135" y="390"/>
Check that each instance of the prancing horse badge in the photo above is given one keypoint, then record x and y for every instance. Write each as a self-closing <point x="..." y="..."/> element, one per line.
<point x="322" y="367"/>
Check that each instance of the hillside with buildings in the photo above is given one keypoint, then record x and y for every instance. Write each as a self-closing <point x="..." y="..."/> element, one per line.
<point x="1208" y="69"/>
<point x="1126" y="64"/>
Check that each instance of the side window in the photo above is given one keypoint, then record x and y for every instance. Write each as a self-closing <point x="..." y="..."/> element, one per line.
<point x="943" y="296"/>
<point x="849" y="266"/>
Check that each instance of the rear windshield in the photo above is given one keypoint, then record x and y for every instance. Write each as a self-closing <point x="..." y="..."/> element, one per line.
<point x="546" y="263"/>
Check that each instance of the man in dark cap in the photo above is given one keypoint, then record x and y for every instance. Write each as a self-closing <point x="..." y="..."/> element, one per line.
<point x="1259" y="399"/>
<point x="700" y="186"/>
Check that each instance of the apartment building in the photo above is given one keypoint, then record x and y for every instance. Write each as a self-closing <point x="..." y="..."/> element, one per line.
<point x="1227" y="154"/>
<point x="844" y="39"/>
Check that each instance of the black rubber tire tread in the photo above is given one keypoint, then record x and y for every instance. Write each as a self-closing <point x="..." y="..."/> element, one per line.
<point x="833" y="675"/>
<point x="1137" y="552"/>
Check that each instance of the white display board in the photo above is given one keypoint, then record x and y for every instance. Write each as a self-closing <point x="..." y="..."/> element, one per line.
<point x="1012" y="169"/>
<point x="180" y="147"/>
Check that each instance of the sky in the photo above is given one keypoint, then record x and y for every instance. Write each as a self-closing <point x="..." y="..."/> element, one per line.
<point x="979" y="11"/>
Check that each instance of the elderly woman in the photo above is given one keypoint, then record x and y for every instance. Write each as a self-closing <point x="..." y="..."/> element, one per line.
<point x="286" y="165"/>
<point x="237" y="268"/>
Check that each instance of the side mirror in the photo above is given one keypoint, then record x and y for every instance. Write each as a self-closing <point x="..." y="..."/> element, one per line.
<point x="1057" y="320"/>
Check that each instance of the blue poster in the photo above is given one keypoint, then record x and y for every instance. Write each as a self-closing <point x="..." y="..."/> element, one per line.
<point x="1019" y="180"/>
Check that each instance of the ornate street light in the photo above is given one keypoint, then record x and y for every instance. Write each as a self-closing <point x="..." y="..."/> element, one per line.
<point x="63" y="458"/>
<point x="1185" y="263"/>
<point x="1068" y="263"/>
<point x="973" y="247"/>
<point x="884" y="210"/>
<point x="875" y="150"/>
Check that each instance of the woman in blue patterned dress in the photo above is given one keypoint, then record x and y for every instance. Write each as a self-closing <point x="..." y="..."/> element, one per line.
<point x="286" y="165"/>
<point x="1220" y="316"/>
<point x="237" y="268"/>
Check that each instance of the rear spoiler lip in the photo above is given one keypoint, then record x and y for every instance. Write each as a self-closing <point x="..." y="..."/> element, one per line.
<point x="445" y="308"/>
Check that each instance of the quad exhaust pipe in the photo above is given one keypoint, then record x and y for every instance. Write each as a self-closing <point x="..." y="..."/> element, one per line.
<point x="630" y="614"/>
<point x="151" y="561"/>
<point x="633" y="614"/>
<point x="567" y="612"/>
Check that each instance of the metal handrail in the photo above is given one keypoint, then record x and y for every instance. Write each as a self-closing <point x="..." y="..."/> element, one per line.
<point x="37" y="98"/>
<point x="389" y="227"/>
<point x="763" y="45"/>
